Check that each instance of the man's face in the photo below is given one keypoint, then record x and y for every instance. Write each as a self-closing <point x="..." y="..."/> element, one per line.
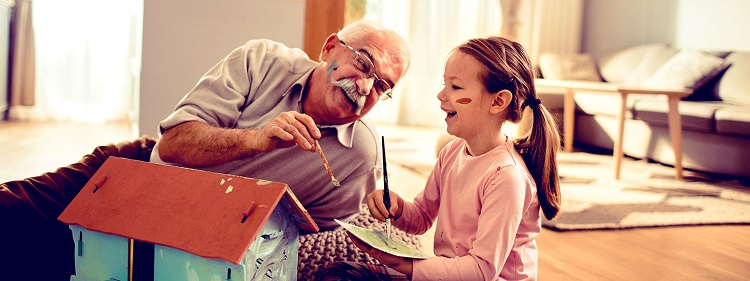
<point x="357" y="76"/>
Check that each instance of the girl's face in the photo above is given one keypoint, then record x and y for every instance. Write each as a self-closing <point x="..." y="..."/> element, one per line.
<point x="465" y="99"/>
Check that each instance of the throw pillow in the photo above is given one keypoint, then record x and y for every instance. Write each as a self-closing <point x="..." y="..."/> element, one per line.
<point x="687" y="69"/>
<point x="569" y="67"/>
<point x="617" y="67"/>
<point x="652" y="59"/>
<point x="734" y="85"/>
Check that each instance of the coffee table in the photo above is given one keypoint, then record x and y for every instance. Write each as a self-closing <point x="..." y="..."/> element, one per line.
<point x="674" y="120"/>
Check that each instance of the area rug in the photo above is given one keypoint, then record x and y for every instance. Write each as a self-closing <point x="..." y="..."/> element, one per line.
<point x="647" y="195"/>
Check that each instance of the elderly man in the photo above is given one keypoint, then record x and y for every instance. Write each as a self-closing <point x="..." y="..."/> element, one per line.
<point x="262" y="111"/>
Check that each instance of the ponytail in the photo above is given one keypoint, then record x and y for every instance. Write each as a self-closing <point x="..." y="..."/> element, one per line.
<point x="539" y="149"/>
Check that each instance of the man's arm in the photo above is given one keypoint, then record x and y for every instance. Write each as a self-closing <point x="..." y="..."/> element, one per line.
<point x="196" y="144"/>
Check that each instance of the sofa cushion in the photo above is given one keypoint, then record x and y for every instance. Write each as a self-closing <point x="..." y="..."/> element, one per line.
<point x="687" y="69"/>
<point x="733" y="120"/>
<point x="617" y="67"/>
<point x="652" y="59"/>
<point x="602" y="103"/>
<point x="696" y="116"/>
<point x="569" y="67"/>
<point x="734" y="86"/>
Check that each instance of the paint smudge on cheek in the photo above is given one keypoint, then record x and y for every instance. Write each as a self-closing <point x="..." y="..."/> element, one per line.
<point x="330" y="69"/>
<point x="463" y="101"/>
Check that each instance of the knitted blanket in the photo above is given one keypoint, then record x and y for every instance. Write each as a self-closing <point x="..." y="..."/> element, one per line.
<point x="316" y="250"/>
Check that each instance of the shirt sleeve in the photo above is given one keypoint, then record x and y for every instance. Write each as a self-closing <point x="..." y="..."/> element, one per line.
<point x="220" y="95"/>
<point x="504" y="199"/>
<point x="418" y="216"/>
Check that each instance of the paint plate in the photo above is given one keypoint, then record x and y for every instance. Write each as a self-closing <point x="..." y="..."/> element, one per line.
<point x="381" y="242"/>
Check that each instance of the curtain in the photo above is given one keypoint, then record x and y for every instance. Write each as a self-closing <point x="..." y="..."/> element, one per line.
<point x="555" y="27"/>
<point x="432" y="29"/>
<point x="510" y="10"/>
<point x="21" y="82"/>
<point x="86" y="53"/>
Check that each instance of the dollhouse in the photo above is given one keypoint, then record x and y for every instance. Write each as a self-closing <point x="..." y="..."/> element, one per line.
<point x="136" y="220"/>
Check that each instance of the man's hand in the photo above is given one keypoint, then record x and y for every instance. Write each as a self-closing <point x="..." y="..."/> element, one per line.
<point x="400" y="264"/>
<point x="197" y="144"/>
<point x="286" y="130"/>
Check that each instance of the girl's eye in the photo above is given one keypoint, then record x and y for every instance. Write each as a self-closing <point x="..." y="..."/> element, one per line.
<point x="456" y="87"/>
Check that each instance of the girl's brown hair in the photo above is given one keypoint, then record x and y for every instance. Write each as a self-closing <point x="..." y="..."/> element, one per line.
<point x="507" y="67"/>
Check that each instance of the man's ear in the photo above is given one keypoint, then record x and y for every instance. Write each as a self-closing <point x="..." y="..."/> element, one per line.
<point x="501" y="102"/>
<point x="328" y="47"/>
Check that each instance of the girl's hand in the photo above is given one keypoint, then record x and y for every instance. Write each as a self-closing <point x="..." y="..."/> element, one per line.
<point x="400" y="264"/>
<point x="377" y="206"/>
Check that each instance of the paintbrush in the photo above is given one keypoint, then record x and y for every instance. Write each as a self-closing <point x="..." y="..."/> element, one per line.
<point x="325" y="162"/>
<point x="386" y="194"/>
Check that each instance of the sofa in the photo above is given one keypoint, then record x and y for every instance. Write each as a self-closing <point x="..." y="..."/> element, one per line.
<point x="715" y="116"/>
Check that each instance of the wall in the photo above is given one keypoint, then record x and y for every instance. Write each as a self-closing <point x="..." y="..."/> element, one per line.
<point x="717" y="24"/>
<point x="610" y="25"/>
<point x="182" y="39"/>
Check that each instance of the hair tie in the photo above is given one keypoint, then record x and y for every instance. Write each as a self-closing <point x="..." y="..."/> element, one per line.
<point x="533" y="102"/>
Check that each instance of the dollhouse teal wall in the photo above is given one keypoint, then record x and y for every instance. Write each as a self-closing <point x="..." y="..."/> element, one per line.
<point x="99" y="256"/>
<point x="173" y="264"/>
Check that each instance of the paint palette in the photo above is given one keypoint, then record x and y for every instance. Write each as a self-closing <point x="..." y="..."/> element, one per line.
<point x="381" y="242"/>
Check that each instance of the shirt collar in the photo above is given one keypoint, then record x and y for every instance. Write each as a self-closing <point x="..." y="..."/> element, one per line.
<point x="298" y="87"/>
<point x="344" y="132"/>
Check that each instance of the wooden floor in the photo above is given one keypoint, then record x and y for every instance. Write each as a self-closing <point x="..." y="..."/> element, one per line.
<point x="31" y="148"/>
<point x="671" y="253"/>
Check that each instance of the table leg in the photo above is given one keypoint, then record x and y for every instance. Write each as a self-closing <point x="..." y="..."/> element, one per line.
<point x="569" y="116"/>
<point x="617" y="154"/>
<point x="675" y="133"/>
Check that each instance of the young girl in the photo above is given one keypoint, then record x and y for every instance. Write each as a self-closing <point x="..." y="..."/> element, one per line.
<point x="486" y="190"/>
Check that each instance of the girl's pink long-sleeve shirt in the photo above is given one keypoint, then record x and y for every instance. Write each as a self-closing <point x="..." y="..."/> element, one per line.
<point x="487" y="214"/>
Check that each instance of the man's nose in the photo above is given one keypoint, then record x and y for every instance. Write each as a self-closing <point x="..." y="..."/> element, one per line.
<point x="364" y="85"/>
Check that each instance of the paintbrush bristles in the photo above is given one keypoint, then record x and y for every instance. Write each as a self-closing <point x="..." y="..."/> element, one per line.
<point x="328" y="168"/>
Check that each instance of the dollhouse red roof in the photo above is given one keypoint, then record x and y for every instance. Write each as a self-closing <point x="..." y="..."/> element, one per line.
<point x="208" y="214"/>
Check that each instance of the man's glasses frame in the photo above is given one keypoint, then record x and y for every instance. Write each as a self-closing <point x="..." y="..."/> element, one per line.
<point x="364" y="64"/>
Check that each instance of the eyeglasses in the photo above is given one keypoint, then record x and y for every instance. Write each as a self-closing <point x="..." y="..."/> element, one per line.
<point x="364" y="64"/>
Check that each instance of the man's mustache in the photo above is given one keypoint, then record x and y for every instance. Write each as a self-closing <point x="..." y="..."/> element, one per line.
<point x="350" y="88"/>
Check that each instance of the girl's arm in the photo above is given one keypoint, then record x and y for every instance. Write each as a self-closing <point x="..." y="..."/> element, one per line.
<point x="505" y="201"/>
<point x="418" y="216"/>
